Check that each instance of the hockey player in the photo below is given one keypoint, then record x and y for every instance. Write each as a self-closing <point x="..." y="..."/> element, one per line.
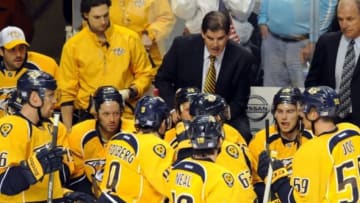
<point x="285" y="135"/>
<point x="135" y="162"/>
<point x="27" y="159"/>
<point x="326" y="168"/>
<point x="205" y="104"/>
<point x="183" y="97"/>
<point x="234" y="154"/>
<point x="88" y="139"/>
<point x="197" y="178"/>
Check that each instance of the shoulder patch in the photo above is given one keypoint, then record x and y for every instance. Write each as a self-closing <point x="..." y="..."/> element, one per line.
<point x="228" y="178"/>
<point x="160" y="150"/>
<point x="232" y="151"/>
<point x="5" y="129"/>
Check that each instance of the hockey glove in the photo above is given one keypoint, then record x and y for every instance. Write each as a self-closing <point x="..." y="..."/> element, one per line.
<point x="279" y="171"/>
<point x="78" y="197"/>
<point x="42" y="162"/>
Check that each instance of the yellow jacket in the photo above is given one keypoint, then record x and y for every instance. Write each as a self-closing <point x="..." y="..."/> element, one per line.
<point x="154" y="16"/>
<point x="87" y="64"/>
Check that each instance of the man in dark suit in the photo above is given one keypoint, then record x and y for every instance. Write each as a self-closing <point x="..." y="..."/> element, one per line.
<point x="330" y="53"/>
<point x="187" y="63"/>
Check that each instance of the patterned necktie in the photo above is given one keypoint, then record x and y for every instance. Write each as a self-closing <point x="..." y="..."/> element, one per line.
<point x="346" y="76"/>
<point x="210" y="80"/>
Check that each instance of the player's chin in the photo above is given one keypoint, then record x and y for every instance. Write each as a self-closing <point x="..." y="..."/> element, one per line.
<point x="112" y="128"/>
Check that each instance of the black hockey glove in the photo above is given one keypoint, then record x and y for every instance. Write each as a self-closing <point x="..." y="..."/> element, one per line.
<point x="279" y="171"/>
<point x="42" y="162"/>
<point x="78" y="197"/>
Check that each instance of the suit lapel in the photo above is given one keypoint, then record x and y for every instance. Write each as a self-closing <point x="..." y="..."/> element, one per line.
<point x="224" y="68"/>
<point x="197" y="59"/>
<point x="333" y="55"/>
<point x="357" y="68"/>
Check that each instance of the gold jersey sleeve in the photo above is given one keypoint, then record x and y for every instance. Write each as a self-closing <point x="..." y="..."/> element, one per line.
<point x="200" y="181"/>
<point x="234" y="158"/>
<point x="232" y="135"/>
<point x="326" y="169"/>
<point x="134" y="167"/>
<point x="88" y="150"/>
<point x="44" y="62"/>
<point x="18" y="141"/>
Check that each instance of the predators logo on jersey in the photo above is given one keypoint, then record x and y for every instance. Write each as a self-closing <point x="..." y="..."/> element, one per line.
<point x="229" y="179"/>
<point x="232" y="151"/>
<point x="5" y="129"/>
<point x="97" y="166"/>
<point x="160" y="150"/>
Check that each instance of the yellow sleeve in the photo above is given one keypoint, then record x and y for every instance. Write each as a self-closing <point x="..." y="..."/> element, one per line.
<point x="44" y="62"/>
<point x="232" y="157"/>
<point x="77" y="152"/>
<point x="161" y="156"/>
<point x="63" y="141"/>
<point x="256" y="146"/>
<point x="14" y="141"/>
<point x="224" y="189"/>
<point x="310" y="183"/>
<point x="162" y="20"/>
<point x="68" y="75"/>
<point x="140" y="66"/>
<point x="170" y="135"/>
<point x="232" y="135"/>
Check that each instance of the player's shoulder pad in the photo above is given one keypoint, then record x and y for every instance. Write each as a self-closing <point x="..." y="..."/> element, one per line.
<point x="232" y="150"/>
<point x="7" y="124"/>
<point x="229" y="179"/>
<point x="160" y="150"/>
<point x="5" y="129"/>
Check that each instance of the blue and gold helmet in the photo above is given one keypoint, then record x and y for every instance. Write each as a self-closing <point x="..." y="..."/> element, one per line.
<point x="209" y="104"/>
<point x="205" y="132"/>
<point x="286" y="95"/>
<point x="185" y="94"/>
<point x="323" y="98"/>
<point x="150" y="112"/>
<point x="107" y="93"/>
<point x="34" y="80"/>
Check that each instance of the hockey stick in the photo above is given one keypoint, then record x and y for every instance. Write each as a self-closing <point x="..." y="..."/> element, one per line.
<point x="270" y="170"/>
<point x="53" y="145"/>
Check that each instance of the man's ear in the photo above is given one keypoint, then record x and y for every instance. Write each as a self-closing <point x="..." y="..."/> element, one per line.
<point x="313" y="114"/>
<point x="203" y="35"/>
<point x="34" y="99"/>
